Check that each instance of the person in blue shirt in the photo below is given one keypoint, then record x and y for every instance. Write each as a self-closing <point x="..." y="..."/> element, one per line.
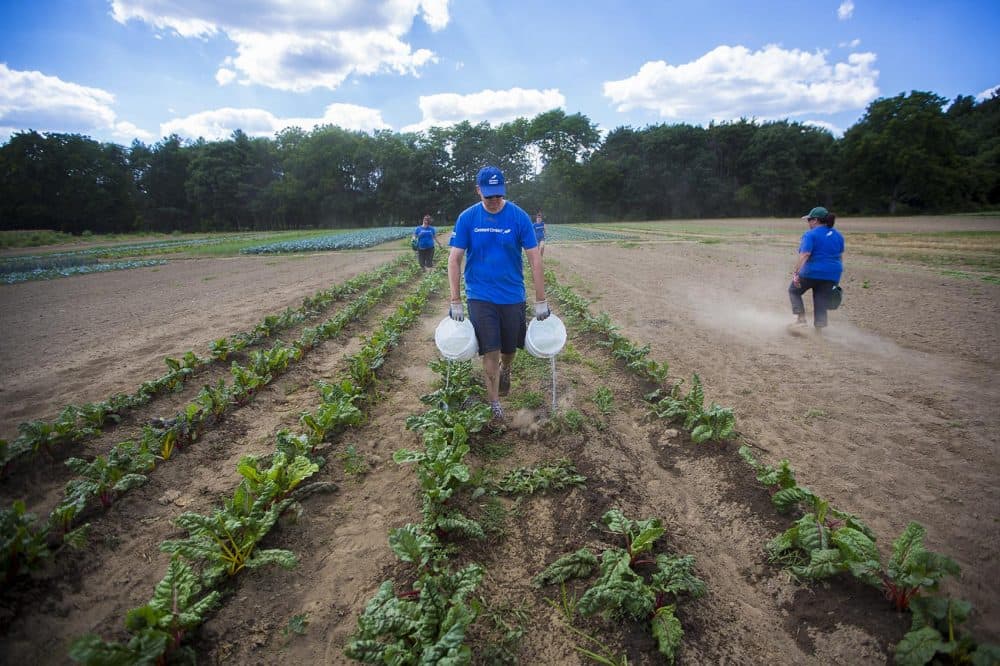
<point x="426" y="237"/>
<point x="489" y="236"/>
<point x="819" y="267"/>
<point x="540" y="232"/>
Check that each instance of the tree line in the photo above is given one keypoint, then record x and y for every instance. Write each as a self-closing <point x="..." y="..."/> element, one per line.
<point x="909" y="154"/>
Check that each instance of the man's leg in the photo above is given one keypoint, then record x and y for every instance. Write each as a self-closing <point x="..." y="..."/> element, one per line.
<point x="821" y="302"/>
<point x="506" y="363"/>
<point x="795" y="296"/>
<point x="491" y="369"/>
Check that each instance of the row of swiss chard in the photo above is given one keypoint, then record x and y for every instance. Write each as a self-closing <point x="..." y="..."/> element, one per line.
<point x="25" y="543"/>
<point x="704" y="424"/>
<point x="221" y="544"/>
<point x="428" y="622"/>
<point x="77" y="423"/>
<point x="824" y="541"/>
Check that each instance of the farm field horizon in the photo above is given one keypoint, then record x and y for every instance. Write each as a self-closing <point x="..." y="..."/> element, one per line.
<point x="891" y="416"/>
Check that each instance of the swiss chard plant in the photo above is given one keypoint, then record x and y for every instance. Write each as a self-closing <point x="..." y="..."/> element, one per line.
<point x="105" y="477"/>
<point x="158" y="628"/>
<point x="274" y="482"/>
<point x="912" y="568"/>
<point x="713" y="423"/>
<point x="453" y="403"/>
<point x="214" y="400"/>
<point x="225" y="542"/>
<point x="425" y="625"/>
<point x="456" y="386"/>
<point x="246" y="383"/>
<point x="441" y="469"/>
<point x="825" y="542"/>
<point x="22" y="541"/>
<point x="525" y="481"/>
<point x="633" y="582"/>
<point x="338" y="410"/>
<point x="35" y="436"/>
<point x="775" y="479"/>
<point x="935" y="636"/>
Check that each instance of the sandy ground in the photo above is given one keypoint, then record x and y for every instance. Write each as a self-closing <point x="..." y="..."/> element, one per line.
<point x="890" y="415"/>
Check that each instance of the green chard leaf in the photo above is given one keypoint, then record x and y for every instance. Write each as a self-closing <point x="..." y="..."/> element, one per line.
<point x="580" y="564"/>
<point x="668" y="632"/>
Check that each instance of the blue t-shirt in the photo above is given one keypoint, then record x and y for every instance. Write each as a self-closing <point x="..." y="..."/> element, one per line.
<point x="492" y="245"/>
<point x="425" y="237"/>
<point x="825" y="246"/>
<point x="539" y="230"/>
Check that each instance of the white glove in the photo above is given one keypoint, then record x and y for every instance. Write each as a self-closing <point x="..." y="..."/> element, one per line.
<point x="456" y="311"/>
<point x="542" y="310"/>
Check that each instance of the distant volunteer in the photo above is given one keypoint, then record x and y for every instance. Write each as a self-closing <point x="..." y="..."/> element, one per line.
<point x="819" y="267"/>
<point x="540" y="232"/>
<point x="426" y="237"/>
<point x="489" y="236"/>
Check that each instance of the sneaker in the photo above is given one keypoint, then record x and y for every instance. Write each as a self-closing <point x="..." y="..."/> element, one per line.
<point x="504" y="381"/>
<point x="798" y="326"/>
<point x="497" y="411"/>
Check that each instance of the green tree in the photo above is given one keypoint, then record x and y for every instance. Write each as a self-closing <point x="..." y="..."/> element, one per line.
<point x="228" y="181"/>
<point x="978" y="127"/>
<point x="160" y="173"/>
<point x="902" y="156"/>
<point x="787" y="165"/>
<point x="65" y="182"/>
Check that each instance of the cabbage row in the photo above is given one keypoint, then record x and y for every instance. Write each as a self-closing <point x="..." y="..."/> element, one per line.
<point x="32" y="262"/>
<point x="559" y="232"/>
<point x="355" y="240"/>
<point x="80" y="269"/>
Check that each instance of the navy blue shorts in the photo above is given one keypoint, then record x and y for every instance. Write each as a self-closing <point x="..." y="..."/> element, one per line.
<point x="498" y="326"/>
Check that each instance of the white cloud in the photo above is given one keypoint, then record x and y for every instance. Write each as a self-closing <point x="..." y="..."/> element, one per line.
<point x="731" y="82"/>
<point x="32" y="100"/>
<point x="494" y="106"/>
<point x="219" y="124"/>
<point x="305" y="45"/>
<point x="225" y="76"/>
<point x="435" y="13"/>
<point x="822" y="124"/>
<point x="853" y="44"/>
<point x="988" y="93"/>
<point x="845" y="10"/>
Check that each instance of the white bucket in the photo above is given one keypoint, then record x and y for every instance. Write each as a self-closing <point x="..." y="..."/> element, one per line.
<point x="545" y="338"/>
<point x="456" y="340"/>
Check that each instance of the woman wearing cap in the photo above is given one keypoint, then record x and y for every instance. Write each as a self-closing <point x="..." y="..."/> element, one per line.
<point x="426" y="237"/>
<point x="489" y="237"/>
<point x="819" y="267"/>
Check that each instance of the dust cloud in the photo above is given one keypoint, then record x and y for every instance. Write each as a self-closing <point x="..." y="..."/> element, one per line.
<point x="755" y="321"/>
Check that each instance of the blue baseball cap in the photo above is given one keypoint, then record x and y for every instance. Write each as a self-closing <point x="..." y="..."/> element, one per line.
<point x="490" y="182"/>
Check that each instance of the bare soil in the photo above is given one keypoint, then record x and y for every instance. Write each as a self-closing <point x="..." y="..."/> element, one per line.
<point x="890" y="414"/>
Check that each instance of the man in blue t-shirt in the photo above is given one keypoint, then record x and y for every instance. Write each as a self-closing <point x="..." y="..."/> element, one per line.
<point x="540" y="232"/>
<point x="819" y="267"/>
<point x="489" y="236"/>
<point x="426" y="237"/>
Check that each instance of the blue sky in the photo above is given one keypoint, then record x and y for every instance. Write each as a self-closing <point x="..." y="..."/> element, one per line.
<point x="118" y="70"/>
